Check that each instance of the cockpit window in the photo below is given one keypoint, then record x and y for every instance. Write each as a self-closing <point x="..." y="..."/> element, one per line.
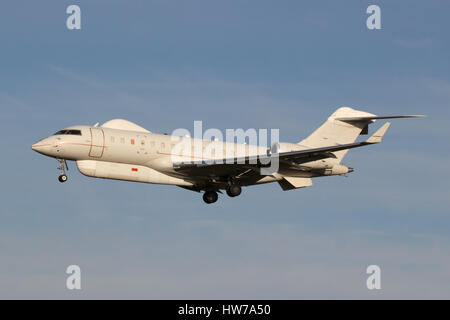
<point x="72" y="132"/>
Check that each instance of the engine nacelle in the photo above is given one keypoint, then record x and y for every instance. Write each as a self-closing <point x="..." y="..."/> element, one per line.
<point x="128" y="172"/>
<point x="338" y="169"/>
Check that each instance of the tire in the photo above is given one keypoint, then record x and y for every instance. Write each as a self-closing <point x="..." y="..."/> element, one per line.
<point x="62" y="178"/>
<point x="234" y="190"/>
<point x="210" y="197"/>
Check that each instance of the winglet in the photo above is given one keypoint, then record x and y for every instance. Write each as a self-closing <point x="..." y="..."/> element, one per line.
<point x="376" y="137"/>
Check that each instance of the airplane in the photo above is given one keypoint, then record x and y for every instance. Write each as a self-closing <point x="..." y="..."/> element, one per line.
<point x="122" y="150"/>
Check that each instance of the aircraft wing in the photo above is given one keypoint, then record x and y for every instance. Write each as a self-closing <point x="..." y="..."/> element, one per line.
<point x="244" y="165"/>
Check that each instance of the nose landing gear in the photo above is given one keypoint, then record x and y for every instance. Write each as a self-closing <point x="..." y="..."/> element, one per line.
<point x="62" y="167"/>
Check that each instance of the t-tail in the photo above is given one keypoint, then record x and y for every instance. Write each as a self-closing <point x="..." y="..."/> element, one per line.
<point x="343" y="127"/>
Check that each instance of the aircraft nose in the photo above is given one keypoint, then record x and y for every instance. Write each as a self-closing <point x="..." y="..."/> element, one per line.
<point x="37" y="147"/>
<point x="41" y="147"/>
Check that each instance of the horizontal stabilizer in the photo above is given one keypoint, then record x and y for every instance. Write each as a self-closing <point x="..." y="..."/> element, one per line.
<point x="378" y="135"/>
<point x="368" y="118"/>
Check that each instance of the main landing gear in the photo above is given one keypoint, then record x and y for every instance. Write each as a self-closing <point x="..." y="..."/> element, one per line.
<point x="233" y="190"/>
<point x="62" y="167"/>
<point x="210" y="196"/>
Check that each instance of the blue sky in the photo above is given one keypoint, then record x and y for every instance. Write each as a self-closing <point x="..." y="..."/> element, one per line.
<point x="231" y="64"/>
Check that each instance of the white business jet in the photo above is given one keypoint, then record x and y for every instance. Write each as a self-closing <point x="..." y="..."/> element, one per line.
<point x="122" y="150"/>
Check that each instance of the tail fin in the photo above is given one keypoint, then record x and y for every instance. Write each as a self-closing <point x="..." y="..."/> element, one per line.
<point x="344" y="126"/>
<point x="334" y="132"/>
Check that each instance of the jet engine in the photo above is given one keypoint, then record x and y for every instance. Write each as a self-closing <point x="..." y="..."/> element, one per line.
<point x="338" y="169"/>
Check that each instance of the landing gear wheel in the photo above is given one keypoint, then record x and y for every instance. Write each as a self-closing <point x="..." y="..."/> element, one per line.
<point x="210" y="196"/>
<point x="234" y="190"/>
<point x="62" y="168"/>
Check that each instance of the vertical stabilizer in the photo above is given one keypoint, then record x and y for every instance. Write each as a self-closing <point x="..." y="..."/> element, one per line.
<point x="334" y="132"/>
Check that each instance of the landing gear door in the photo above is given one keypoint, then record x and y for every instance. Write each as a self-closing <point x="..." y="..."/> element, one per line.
<point x="97" y="143"/>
